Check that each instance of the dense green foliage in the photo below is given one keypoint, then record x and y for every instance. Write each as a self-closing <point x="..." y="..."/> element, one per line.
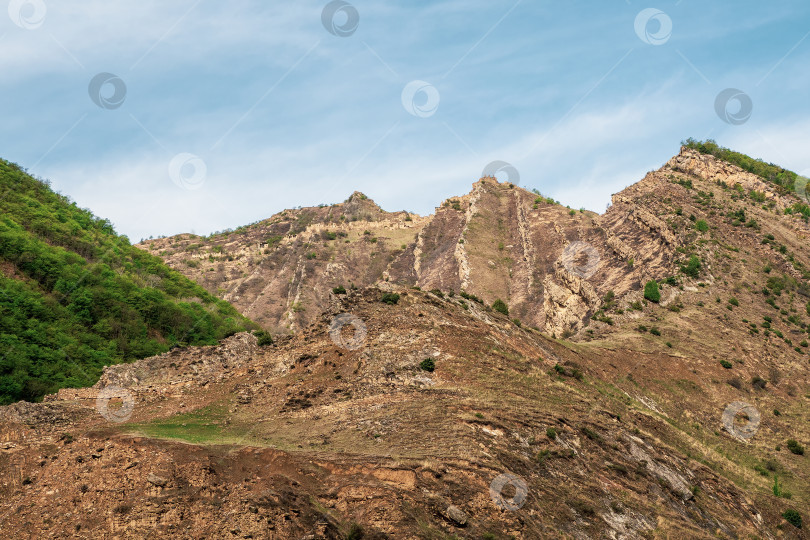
<point x="692" y="267"/>
<point x="428" y="364"/>
<point x="500" y="306"/>
<point x="263" y="338"/>
<point x="776" y="174"/>
<point x="75" y="296"/>
<point x="651" y="291"/>
<point x="793" y="517"/>
<point x="795" y="447"/>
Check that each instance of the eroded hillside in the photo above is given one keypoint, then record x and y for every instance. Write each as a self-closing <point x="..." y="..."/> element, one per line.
<point x="504" y="433"/>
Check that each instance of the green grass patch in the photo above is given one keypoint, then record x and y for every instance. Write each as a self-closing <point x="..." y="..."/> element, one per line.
<point x="202" y="426"/>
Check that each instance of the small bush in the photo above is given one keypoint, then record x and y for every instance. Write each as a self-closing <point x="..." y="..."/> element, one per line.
<point x="389" y="298"/>
<point x="793" y="517"/>
<point x="572" y="372"/>
<point x="264" y="338"/>
<point x="701" y="225"/>
<point x="758" y="382"/>
<point x="655" y="331"/>
<point x="551" y="433"/>
<point x="355" y="532"/>
<point x="501" y="307"/>
<point x="340" y="289"/>
<point x="651" y="291"/>
<point x="542" y="455"/>
<point x="795" y="447"/>
<point x="692" y="267"/>
<point x="428" y="364"/>
<point x="734" y="302"/>
<point x="725" y="363"/>
<point x="437" y="292"/>
<point x="592" y="435"/>
<point x="468" y="296"/>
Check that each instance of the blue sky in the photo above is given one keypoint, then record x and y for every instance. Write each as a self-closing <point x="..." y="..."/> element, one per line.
<point x="234" y="111"/>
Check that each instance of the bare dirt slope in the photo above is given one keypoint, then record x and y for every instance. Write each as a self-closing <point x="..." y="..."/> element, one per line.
<point x="512" y="434"/>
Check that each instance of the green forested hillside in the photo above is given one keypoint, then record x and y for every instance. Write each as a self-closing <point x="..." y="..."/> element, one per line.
<point x="75" y="296"/>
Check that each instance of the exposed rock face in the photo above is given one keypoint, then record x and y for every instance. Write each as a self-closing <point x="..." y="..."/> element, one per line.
<point x="498" y="241"/>
<point x="712" y="169"/>
<point x="568" y="302"/>
<point x="208" y="364"/>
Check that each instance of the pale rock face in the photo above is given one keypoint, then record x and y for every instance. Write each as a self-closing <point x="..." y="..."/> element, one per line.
<point x="710" y="168"/>
<point x="569" y="300"/>
<point x="498" y="241"/>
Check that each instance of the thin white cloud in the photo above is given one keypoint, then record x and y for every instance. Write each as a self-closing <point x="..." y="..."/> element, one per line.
<point x="335" y="122"/>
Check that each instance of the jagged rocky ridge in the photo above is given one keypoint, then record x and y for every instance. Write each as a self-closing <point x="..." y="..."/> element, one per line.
<point x="498" y="241"/>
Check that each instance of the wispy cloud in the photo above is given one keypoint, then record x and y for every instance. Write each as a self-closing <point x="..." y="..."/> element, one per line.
<point x="283" y="113"/>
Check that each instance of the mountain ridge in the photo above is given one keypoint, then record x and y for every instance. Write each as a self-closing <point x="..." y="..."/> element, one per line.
<point x="438" y="254"/>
